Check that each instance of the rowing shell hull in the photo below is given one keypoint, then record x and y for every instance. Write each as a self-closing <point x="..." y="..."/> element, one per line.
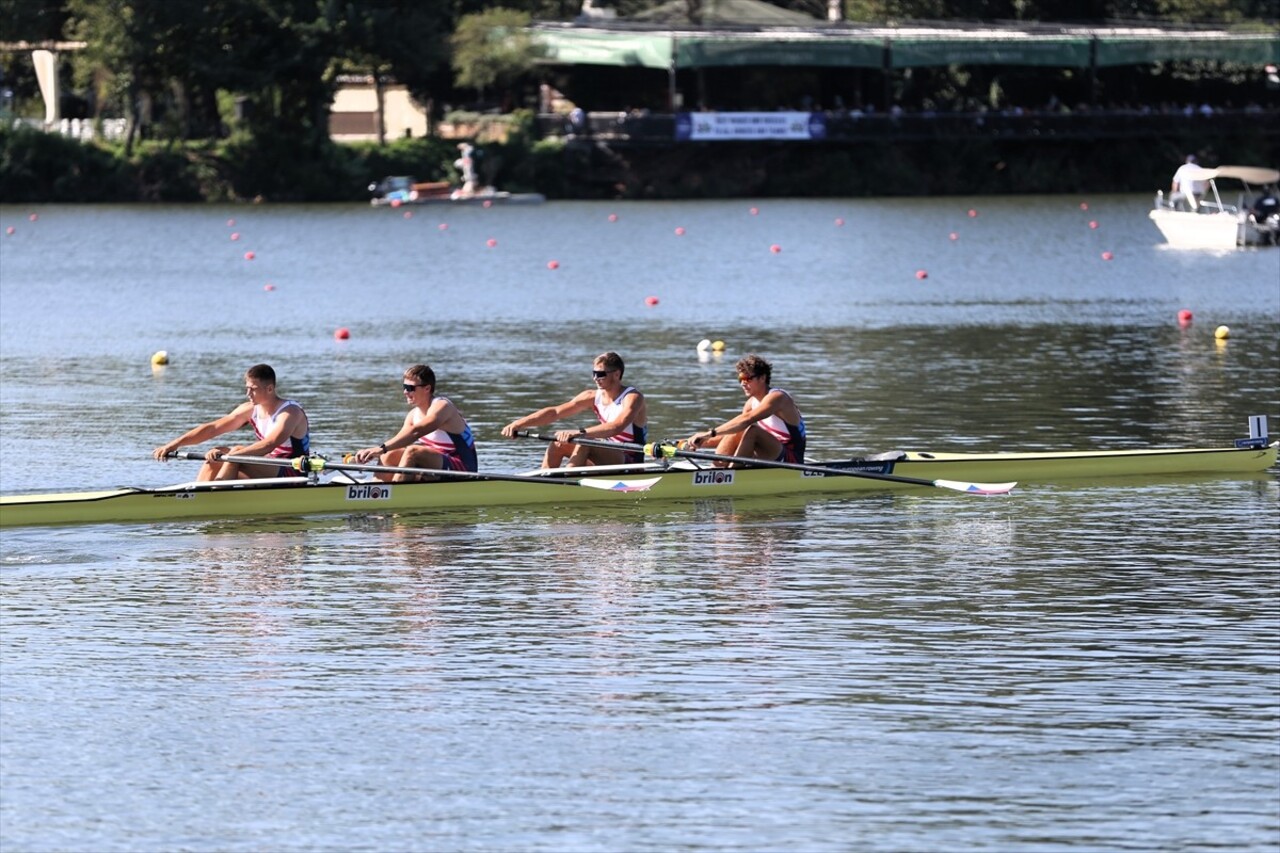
<point x="297" y="497"/>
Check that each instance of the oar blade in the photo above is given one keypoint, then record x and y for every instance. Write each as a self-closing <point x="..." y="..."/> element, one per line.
<point x="976" y="488"/>
<point x="620" y="485"/>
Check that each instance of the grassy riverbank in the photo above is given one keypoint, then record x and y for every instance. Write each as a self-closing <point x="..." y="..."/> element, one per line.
<point x="44" y="168"/>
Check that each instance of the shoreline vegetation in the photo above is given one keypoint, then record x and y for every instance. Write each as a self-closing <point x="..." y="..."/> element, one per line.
<point x="40" y="167"/>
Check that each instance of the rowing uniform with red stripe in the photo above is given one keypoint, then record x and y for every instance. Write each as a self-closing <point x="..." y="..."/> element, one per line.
<point x="457" y="448"/>
<point x="791" y="436"/>
<point x="291" y="449"/>
<point x="631" y="434"/>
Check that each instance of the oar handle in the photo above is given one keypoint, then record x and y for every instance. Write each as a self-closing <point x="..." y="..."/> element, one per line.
<point x="656" y="449"/>
<point x="297" y="463"/>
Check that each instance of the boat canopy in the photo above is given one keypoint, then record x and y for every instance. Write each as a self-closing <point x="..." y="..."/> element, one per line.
<point x="1248" y="174"/>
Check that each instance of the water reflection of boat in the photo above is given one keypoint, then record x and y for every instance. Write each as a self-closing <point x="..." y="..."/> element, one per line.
<point x="398" y="190"/>
<point x="1207" y="222"/>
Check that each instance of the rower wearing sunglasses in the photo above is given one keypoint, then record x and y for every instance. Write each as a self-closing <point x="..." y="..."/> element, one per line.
<point x="279" y="425"/>
<point x="770" y="426"/>
<point x="434" y="434"/>
<point x="619" y="408"/>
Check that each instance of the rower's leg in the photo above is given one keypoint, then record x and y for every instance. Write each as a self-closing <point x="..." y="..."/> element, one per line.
<point x="758" y="444"/>
<point x="418" y="457"/>
<point x="600" y="456"/>
<point x="730" y="445"/>
<point x="208" y="471"/>
<point x="556" y="454"/>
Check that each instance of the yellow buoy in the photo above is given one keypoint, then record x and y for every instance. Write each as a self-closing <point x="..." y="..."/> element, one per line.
<point x="160" y="358"/>
<point x="717" y="346"/>
<point x="1222" y="333"/>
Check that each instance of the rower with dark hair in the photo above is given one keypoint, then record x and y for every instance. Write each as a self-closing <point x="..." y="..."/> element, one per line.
<point x="434" y="434"/>
<point x="770" y="426"/>
<point x="281" y="427"/>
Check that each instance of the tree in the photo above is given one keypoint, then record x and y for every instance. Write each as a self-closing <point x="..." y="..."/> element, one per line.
<point x="493" y="48"/>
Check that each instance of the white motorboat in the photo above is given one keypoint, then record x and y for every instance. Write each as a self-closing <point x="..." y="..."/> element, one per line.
<point x="1207" y="222"/>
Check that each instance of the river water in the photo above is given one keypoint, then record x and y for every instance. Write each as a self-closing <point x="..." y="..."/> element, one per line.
<point x="1070" y="667"/>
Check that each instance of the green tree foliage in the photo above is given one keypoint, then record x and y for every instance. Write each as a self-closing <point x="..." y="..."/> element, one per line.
<point x="492" y="48"/>
<point x="31" y="20"/>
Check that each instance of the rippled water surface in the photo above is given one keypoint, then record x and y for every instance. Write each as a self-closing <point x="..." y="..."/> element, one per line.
<point x="1070" y="667"/>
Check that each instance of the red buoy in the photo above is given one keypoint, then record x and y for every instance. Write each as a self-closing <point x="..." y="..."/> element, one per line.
<point x="342" y="334"/>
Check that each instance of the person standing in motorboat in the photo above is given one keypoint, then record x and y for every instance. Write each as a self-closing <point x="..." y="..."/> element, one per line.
<point x="1185" y="187"/>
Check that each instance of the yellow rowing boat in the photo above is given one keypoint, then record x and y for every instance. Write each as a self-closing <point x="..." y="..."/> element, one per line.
<point x="688" y="477"/>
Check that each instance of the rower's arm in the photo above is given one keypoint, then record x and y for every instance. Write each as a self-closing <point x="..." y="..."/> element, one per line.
<point x="550" y="414"/>
<point x="235" y="419"/>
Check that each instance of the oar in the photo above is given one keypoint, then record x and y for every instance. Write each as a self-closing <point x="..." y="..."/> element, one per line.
<point x="659" y="450"/>
<point x="315" y="464"/>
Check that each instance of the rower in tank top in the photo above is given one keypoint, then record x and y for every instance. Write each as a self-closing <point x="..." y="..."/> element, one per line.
<point x="281" y="429"/>
<point x="434" y="436"/>
<point x="620" y="409"/>
<point x="770" y="426"/>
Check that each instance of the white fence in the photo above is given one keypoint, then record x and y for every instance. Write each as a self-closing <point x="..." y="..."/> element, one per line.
<point x="78" y="128"/>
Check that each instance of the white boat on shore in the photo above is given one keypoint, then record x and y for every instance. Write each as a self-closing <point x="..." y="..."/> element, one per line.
<point x="1209" y="223"/>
